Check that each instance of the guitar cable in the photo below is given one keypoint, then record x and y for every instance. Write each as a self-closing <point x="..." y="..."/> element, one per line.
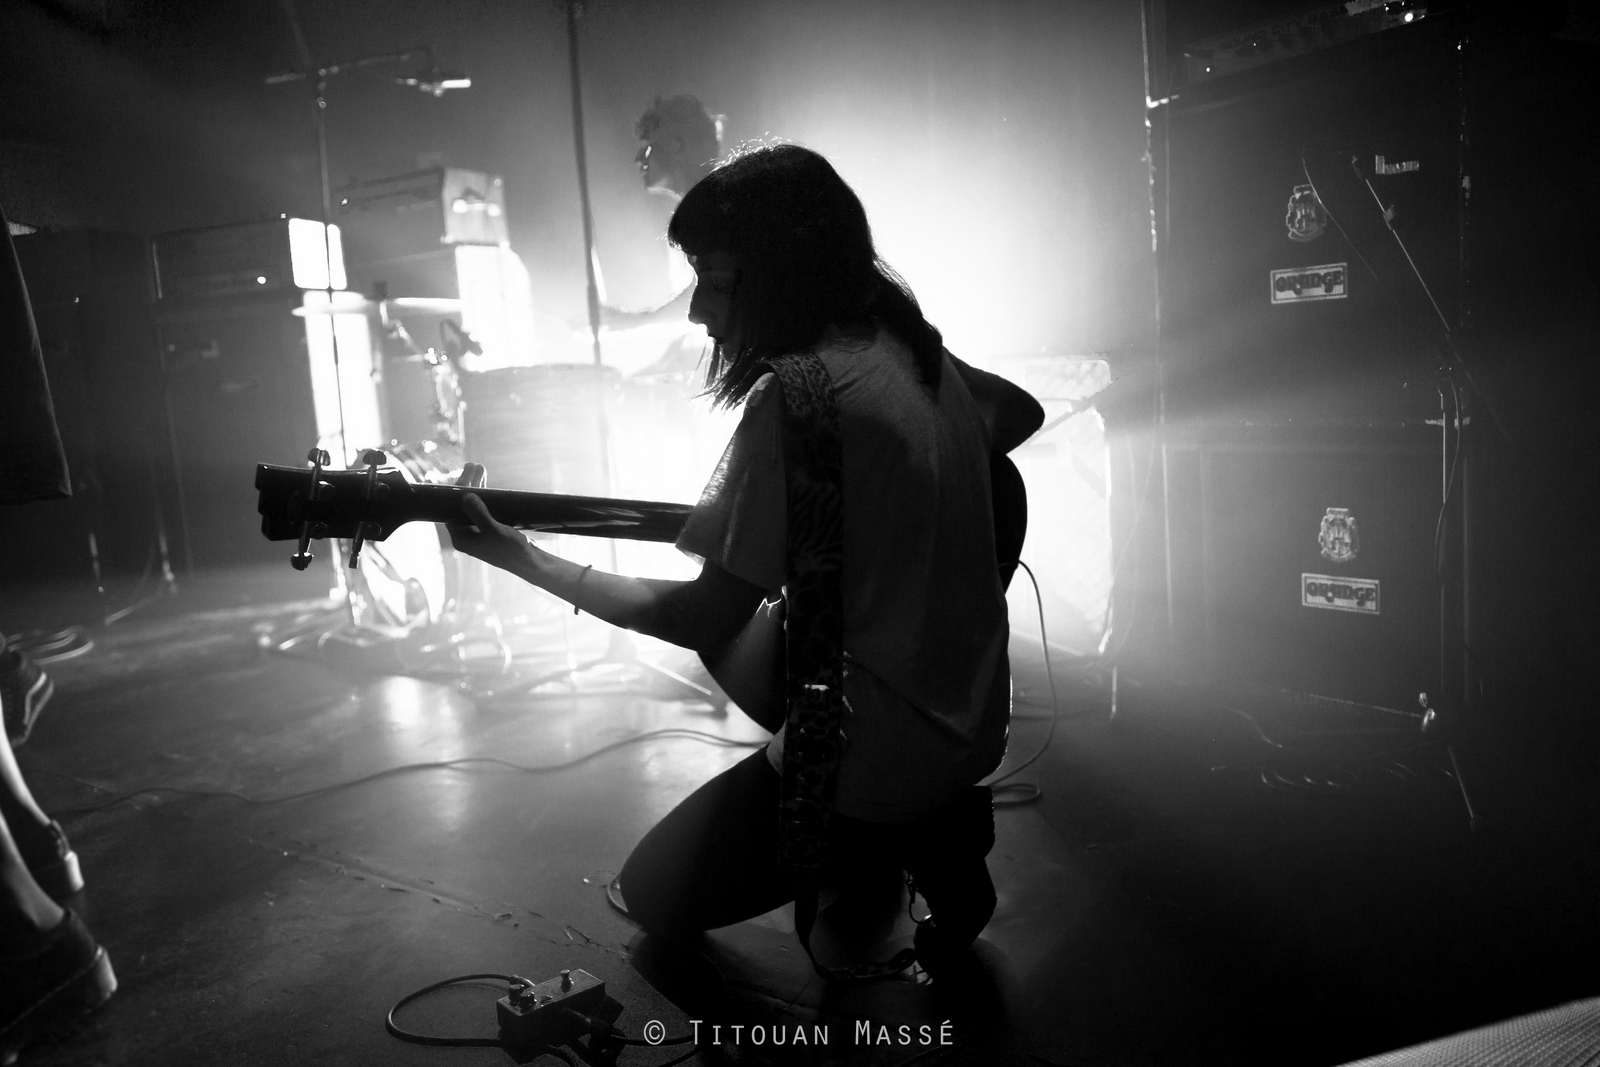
<point x="600" y="1032"/>
<point x="1028" y="792"/>
<point x="652" y="735"/>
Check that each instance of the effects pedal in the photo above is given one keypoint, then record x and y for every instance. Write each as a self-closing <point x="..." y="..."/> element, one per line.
<point x="548" y="1013"/>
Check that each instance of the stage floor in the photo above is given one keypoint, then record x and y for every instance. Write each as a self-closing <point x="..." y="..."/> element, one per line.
<point x="1203" y="880"/>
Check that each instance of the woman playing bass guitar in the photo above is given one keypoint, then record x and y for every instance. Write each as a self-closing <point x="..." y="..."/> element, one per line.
<point x="855" y="493"/>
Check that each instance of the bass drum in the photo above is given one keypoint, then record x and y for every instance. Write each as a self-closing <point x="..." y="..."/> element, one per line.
<point x="544" y="427"/>
<point x="410" y="579"/>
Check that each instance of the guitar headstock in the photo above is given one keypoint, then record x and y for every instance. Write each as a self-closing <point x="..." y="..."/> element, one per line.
<point x="339" y="507"/>
<point x="312" y="503"/>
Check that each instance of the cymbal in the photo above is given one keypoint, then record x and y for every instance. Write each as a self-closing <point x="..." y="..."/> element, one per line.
<point x="360" y="305"/>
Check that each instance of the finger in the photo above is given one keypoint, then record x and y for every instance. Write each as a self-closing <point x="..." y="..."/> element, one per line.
<point x="477" y="511"/>
<point x="471" y="475"/>
<point x="474" y="513"/>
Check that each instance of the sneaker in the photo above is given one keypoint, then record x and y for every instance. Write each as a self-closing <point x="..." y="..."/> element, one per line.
<point x="45" y="994"/>
<point x="24" y="691"/>
<point x="52" y="862"/>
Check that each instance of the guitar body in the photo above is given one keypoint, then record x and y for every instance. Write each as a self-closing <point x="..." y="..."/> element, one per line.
<point x="1010" y="500"/>
<point x="751" y="669"/>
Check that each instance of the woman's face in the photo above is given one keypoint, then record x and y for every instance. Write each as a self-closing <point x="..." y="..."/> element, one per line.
<point x="716" y="275"/>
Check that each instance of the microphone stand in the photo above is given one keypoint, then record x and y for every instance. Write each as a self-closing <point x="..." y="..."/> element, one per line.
<point x="1439" y="711"/>
<point x="574" y="12"/>
<point x="319" y="77"/>
<point x="620" y="651"/>
<point x="1449" y="700"/>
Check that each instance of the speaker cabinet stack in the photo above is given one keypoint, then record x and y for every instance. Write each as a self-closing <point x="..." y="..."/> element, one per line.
<point x="1311" y="453"/>
<point x="238" y="390"/>
<point x="441" y="234"/>
<point x="250" y="378"/>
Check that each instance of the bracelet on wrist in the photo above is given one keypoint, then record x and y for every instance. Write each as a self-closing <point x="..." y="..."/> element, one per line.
<point x="587" y="568"/>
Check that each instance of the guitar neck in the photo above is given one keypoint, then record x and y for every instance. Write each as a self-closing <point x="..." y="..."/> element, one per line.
<point x="373" y="504"/>
<point x="589" y="516"/>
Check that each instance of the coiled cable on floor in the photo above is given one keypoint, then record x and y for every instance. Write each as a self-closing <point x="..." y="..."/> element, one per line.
<point x="455" y="1042"/>
<point x="46" y="648"/>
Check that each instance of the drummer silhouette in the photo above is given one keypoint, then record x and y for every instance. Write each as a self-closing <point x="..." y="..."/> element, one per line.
<point x="680" y="142"/>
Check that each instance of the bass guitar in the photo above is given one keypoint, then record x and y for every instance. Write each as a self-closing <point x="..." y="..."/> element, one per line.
<point x="368" y="504"/>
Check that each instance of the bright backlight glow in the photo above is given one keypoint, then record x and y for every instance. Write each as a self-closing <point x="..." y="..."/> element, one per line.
<point x="310" y="257"/>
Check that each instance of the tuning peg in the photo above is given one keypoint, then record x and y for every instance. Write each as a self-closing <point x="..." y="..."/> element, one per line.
<point x="318" y="458"/>
<point x="363" y="531"/>
<point x="303" y="555"/>
<point x="317" y="490"/>
<point x="374" y="458"/>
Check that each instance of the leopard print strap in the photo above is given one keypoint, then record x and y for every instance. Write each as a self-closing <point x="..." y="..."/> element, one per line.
<point x="814" y="625"/>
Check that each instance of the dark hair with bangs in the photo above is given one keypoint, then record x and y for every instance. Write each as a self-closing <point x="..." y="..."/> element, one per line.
<point x="806" y="262"/>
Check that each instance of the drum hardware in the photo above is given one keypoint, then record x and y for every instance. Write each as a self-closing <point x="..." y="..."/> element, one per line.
<point x="447" y="402"/>
<point x="621" y="663"/>
<point x="444" y="403"/>
<point x="355" y="304"/>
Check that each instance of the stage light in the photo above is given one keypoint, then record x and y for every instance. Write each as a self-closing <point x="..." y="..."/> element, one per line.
<point x="436" y="82"/>
<point x="310" y="255"/>
<point x="343" y="398"/>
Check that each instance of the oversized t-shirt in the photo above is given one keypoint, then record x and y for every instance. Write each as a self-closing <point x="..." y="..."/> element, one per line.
<point x="927" y="682"/>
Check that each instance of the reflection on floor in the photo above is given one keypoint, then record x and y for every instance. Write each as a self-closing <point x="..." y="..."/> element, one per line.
<point x="1203" y="879"/>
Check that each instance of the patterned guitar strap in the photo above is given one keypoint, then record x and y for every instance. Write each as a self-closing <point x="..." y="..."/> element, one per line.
<point x="813" y="642"/>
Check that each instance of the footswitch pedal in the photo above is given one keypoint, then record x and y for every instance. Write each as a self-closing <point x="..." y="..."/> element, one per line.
<point x="547" y="1013"/>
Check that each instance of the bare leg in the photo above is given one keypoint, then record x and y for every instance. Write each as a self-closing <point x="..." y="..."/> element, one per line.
<point x="54" y="971"/>
<point x="26" y="913"/>
<point x="42" y="844"/>
<point x="17" y="806"/>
